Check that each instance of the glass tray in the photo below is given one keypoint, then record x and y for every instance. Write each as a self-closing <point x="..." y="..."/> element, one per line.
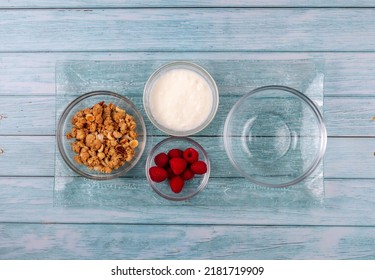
<point x="234" y="78"/>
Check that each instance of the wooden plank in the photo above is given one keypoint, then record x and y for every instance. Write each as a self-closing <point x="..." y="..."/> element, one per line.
<point x="34" y="156"/>
<point x="344" y="116"/>
<point x="347" y="116"/>
<point x="349" y="158"/>
<point x="187" y="30"/>
<point x="43" y="241"/>
<point x="183" y="3"/>
<point x="346" y="202"/>
<point x="346" y="74"/>
<point x="25" y="119"/>
<point x="27" y="156"/>
<point x="24" y="115"/>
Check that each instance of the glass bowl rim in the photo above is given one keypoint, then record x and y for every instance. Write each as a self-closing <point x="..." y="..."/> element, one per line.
<point x="185" y="65"/>
<point x="321" y="127"/>
<point x="149" y="164"/>
<point x="63" y="119"/>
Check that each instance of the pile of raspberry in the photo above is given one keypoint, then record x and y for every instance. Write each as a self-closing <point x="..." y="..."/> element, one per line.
<point x="177" y="166"/>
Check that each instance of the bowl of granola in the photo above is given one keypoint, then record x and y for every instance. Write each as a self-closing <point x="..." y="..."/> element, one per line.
<point x="101" y="135"/>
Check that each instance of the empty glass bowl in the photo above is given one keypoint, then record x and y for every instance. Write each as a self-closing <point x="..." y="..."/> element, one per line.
<point x="275" y="136"/>
<point x="192" y="187"/>
<point x="88" y="100"/>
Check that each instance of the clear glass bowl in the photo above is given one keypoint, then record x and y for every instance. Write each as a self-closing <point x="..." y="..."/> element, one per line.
<point x="88" y="100"/>
<point x="192" y="187"/>
<point x="154" y="78"/>
<point x="275" y="136"/>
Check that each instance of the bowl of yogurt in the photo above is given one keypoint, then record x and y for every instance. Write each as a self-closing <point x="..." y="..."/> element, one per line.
<point x="181" y="98"/>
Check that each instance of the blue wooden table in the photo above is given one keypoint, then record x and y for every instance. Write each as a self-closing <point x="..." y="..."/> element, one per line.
<point x="36" y="35"/>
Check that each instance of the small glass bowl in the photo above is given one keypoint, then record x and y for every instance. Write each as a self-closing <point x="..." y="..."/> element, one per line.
<point x="186" y="66"/>
<point x="275" y="136"/>
<point x="192" y="187"/>
<point x="88" y="100"/>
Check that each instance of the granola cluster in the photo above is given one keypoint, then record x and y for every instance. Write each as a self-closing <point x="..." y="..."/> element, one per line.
<point x="105" y="137"/>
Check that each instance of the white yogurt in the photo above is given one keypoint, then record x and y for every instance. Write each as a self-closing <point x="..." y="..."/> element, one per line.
<point x="181" y="100"/>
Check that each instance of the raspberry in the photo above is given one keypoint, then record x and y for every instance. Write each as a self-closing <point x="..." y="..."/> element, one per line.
<point x="190" y="155"/>
<point x="178" y="165"/>
<point x="187" y="174"/>
<point x="161" y="160"/>
<point x="175" y="153"/>
<point x="170" y="172"/>
<point x="199" y="167"/>
<point x="176" y="184"/>
<point x="157" y="174"/>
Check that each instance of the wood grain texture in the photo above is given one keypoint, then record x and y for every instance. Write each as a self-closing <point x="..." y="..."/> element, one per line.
<point x="347" y="116"/>
<point x="27" y="74"/>
<point x="187" y="30"/>
<point x="346" y="202"/>
<point x="349" y="158"/>
<point x="23" y="115"/>
<point x="294" y="223"/>
<point x="34" y="156"/>
<point x="182" y="3"/>
<point x="27" y="156"/>
<point x="35" y="241"/>
<point x="344" y="116"/>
